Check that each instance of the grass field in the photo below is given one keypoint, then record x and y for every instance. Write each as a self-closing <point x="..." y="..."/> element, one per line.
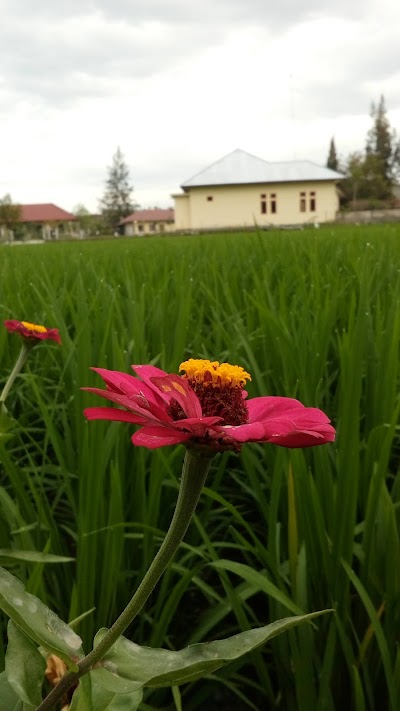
<point x="312" y="314"/>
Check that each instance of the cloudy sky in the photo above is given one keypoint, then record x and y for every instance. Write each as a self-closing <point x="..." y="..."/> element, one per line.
<point x="177" y="84"/>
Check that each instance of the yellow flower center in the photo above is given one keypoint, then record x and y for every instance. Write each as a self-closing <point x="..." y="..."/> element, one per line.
<point x="219" y="388"/>
<point x="34" y="327"/>
<point x="212" y="373"/>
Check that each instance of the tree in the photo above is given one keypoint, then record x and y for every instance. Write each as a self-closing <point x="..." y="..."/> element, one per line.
<point x="332" y="161"/>
<point x="117" y="201"/>
<point x="383" y="143"/>
<point x="10" y="213"/>
<point x="354" y="173"/>
<point x="365" y="180"/>
<point x="89" y="224"/>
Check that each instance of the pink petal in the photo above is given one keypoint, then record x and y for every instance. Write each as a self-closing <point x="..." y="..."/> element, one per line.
<point x="173" y="387"/>
<point x="312" y="415"/>
<point x="116" y="380"/>
<point x="304" y="438"/>
<point x="263" y="408"/>
<point x="297" y="422"/>
<point x="111" y="413"/>
<point x="154" y="437"/>
<point x="193" y="421"/>
<point x="128" y="385"/>
<point x="147" y="372"/>
<point x="252" y="432"/>
<point x="134" y="403"/>
<point x="199" y="427"/>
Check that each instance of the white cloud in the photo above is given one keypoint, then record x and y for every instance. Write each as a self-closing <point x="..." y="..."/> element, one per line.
<point x="177" y="85"/>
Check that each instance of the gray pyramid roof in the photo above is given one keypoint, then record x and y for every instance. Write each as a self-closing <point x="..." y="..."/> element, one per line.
<point x="241" y="168"/>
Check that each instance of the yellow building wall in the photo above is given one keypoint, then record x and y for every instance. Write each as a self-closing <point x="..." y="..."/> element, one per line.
<point x="182" y="211"/>
<point x="240" y="205"/>
<point x="148" y="227"/>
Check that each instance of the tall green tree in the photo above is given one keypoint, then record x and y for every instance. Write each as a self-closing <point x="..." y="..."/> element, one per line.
<point x="10" y="213"/>
<point x="117" y="201"/>
<point x="383" y="143"/>
<point x="365" y="180"/>
<point x="332" y="162"/>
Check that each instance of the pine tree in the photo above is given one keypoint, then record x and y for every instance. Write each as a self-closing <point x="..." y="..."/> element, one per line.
<point x="332" y="161"/>
<point x="117" y="201"/>
<point x="383" y="143"/>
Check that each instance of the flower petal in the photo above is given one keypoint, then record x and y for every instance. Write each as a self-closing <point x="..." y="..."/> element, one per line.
<point x="33" y="331"/>
<point x="147" y="372"/>
<point x="112" y="413"/>
<point x="305" y="428"/>
<point x="304" y="438"/>
<point x="127" y="384"/>
<point x="252" y="432"/>
<point x="263" y="408"/>
<point x="199" y="427"/>
<point x="153" y="437"/>
<point x="173" y="387"/>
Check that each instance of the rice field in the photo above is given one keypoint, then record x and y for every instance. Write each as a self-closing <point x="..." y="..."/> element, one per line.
<point x="311" y="314"/>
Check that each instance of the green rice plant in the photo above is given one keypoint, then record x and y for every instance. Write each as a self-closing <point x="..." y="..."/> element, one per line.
<point x="310" y="314"/>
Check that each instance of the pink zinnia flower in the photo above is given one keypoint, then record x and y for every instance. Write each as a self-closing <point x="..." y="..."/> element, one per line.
<point x="205" y="407"/>
<point x="32" y="331"/>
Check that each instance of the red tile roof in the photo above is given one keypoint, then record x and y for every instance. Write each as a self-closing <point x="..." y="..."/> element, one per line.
<point x="156" y="215"/>
<point x="44" y="213"/>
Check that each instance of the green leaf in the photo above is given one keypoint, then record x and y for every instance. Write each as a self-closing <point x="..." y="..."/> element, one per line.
<point x="177" y="698"/>
<point x="25" y="666"/>
<point x="82" y="697"/>
<point x="104" y="700"/>
<point x="127" y="666"/>
<point x="381" y="640"/>
<point x="7" y="424"/>
<point x="9" y="700"/>
<point x="260" y="581"/>
<point x="8" y="554"/>
<point x="91" y="696"/>
<point x="6" y="421"/>
<point x="38" y="622"/>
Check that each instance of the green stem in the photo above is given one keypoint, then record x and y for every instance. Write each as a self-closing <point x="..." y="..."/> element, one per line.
<point x="194" y="473"/>
<point x="21" y="360"/>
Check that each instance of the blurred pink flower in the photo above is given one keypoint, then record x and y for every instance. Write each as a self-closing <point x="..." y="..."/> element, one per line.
<point x="33" y="331"/>
<point x="205" y="407"/>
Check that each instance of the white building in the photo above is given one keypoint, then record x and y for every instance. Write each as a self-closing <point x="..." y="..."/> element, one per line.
<point x="241" y="190"/>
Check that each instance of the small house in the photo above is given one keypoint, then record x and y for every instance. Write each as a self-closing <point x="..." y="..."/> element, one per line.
<point x="242" y="191"/>
<point x="148" y="222"/>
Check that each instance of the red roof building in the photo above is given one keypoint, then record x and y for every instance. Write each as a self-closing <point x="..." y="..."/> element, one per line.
<point x="47" y="221"/>
<point x="147" y="222"/>
<point x="45" y="213"/>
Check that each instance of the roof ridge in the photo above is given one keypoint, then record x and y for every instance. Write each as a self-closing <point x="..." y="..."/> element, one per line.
<point x="241" y="167"/>
<point x="224" y="157"/>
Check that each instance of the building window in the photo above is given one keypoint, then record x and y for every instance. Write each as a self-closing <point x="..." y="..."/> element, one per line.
<point x="209" y="198"/>
<point x="313" y="202"/>
<point x="152" y="227"/>
<point x="263" y="204"/>
<point x="140" y="228"/>
<point x="162" y="227"/>
<point x="302" y="202"/>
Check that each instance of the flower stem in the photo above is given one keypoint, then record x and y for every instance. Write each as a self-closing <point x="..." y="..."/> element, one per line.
<point x="21" y="360"/>
<point x="194" y="473"/>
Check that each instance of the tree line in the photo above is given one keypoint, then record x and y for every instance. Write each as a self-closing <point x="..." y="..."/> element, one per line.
<point x="370" y="178"/>
<point x="372" y="174"/>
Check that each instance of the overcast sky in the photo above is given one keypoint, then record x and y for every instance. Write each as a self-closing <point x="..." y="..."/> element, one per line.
<point x="178" y="84"/>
